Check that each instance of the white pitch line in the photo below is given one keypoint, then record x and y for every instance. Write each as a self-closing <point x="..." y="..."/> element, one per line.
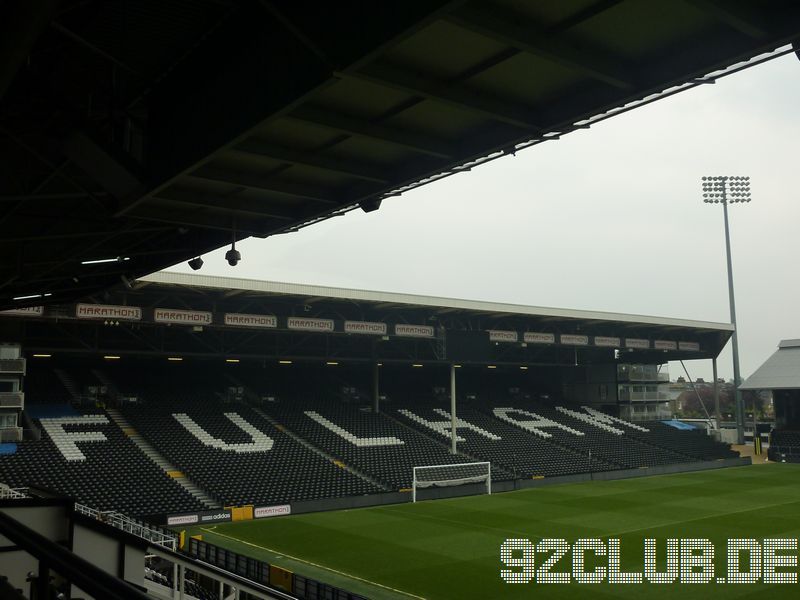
<point x="313" y="564"/>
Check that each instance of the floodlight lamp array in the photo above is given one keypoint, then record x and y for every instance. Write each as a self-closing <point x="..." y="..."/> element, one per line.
<point x="726" y="189"/>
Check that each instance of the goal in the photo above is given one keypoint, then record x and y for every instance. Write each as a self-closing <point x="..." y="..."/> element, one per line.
<point x="449" y="475"/>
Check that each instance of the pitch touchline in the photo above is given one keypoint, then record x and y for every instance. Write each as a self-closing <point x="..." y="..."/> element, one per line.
<point x="313" y="564"/>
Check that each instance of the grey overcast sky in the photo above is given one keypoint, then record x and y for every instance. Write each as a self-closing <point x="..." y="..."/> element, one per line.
<point x="609" y="218"/>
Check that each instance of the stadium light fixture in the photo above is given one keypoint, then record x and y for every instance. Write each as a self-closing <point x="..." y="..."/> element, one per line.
<point x="174" y="359"/>
<point x="232" y="360"/>
<point x="284" y="362"/>
<point x="101" y="261"/>
<point x="42" y="355"/>
<point x="491" y="366"/>
<point x="523" y="368"/>
<point x="196" y="263"/>
<point x="456" y="366"/>
<point x="730" y="190"/>
<point x="417" y="365"/>
<point x="331" y="363"/>
<point x="111" y="357"/>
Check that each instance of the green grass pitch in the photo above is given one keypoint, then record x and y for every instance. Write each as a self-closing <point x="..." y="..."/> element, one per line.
<point x="450" y="549"/>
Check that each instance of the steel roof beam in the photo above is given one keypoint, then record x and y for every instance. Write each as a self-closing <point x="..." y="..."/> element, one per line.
<point x="263" y="183"/>
<point x="507" y="30"/>
<point x="415" y="142"/>
<point x="222" y="202"/>
<point x="734" y="16"/>
<point x="450" y="93"/>
<point x="245" y="226"/>
<point x="348" y="168"/>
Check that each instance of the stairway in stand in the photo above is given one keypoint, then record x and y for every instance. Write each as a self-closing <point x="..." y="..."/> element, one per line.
<point x="154" y="455"/>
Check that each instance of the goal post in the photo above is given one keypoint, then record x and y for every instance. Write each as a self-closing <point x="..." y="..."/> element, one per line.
<point x="451" y="475"/>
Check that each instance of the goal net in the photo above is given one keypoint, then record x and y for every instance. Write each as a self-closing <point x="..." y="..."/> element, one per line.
<point x="449" y="475"/>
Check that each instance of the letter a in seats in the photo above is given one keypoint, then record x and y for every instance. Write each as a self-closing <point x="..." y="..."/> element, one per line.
<point x="261" y="442"/>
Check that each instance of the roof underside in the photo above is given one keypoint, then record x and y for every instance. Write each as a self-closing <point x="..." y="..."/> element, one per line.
<point x="781" y="371"/>
<point x="152" y="129"/>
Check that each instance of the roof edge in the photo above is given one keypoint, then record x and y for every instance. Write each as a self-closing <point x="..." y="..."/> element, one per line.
<point x="275" y="287"/>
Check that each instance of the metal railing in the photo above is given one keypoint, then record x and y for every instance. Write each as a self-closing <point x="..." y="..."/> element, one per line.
<point x="261" y="572"/>
<point x="9" y="493"/>
<point x="128" y="525"/>
<point x="652" y="396"/>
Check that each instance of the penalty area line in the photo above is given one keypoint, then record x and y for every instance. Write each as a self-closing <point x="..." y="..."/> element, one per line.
<point x="313" y="564"/>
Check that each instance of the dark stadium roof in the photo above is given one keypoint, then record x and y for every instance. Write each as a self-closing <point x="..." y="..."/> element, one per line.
<point x="781" y="371"/>
<point x="149" y="130"/>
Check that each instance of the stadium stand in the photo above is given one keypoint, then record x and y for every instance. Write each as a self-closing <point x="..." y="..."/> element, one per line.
<point x="611" y="443"/>
<point x="103" y="469"/>
<point x="488" y="438"/>
<point x="239" y="457"/>
<point x="373" y="443"/>
<point x="784" y="445"/>
<point x="694" y="443"/>
<point x="43" y="386"/>
<point x="305" y="442"/>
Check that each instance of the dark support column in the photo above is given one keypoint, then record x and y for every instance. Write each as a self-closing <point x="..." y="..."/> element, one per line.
<point x="376" y="388"/>
<point x="454" y="432"/>
<point x="717" y="414"/>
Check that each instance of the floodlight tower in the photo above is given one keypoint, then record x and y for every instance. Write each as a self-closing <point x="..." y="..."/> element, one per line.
<point x="730" y="190"/>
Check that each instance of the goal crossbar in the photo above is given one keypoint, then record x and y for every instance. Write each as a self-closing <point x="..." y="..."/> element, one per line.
<point x="462" y="473"/>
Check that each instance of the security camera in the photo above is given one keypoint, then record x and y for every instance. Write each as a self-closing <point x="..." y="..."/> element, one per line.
<point x="196" y="263"/>
<point x="233" y="257"/>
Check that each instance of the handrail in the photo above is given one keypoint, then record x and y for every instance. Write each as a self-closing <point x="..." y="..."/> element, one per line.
<point x="128" y="525"/>
<point x="75" y="569"/>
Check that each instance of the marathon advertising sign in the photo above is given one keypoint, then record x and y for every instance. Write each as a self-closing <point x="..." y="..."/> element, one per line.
<point x="366" y="327"/>
<point x="637" y="344"/>
<point x="29" y="311"/>
<point x="181" y="317"/>
<point x="208" y="516"/>
<point x="108" y="311"/>
<point x="664" y="345"/>
<point x="575" y="340"/>
<point x="309" y="324"/>
<point x="607" y="342"/>
<point x="497" y="335"/>
<point x="689" y="346"/>
<point x="255" y="321"/>
<point x="420" y="331"/>
<point x="263" y="512"/>
<point x="532" y="337"/>
<point x="183" y="519"/>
